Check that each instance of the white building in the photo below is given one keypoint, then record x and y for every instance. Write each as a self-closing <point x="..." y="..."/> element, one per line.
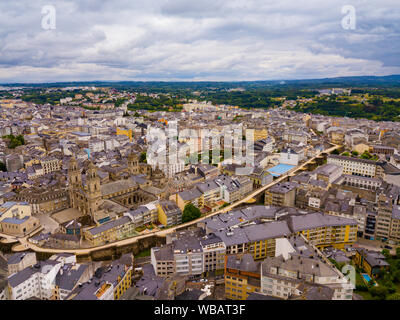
<point x="289" y="156"/>
<point x="299" y="268"/>
<point x="37" y="281"/>
<point x="354" y="166"/>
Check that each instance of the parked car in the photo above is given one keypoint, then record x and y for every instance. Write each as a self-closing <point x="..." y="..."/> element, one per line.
<point x="388" y="247"/>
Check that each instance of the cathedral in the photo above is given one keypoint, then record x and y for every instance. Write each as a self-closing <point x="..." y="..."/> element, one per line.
<point x="90" y="197"/>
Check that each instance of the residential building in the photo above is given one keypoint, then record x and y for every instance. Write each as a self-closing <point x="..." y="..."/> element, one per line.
<point x="282" y="194"/>
<point x="21" y="260"/>
<point x="242" y="276"/>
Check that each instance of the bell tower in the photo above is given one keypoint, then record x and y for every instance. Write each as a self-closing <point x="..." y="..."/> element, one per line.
<point x="93" y="189"/>
<point x="74" y="181"/>
<point x="133" y="163"/>
<point x="74" y="174"/>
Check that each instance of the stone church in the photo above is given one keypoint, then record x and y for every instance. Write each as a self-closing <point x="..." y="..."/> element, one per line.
<point x="90" y="197"/>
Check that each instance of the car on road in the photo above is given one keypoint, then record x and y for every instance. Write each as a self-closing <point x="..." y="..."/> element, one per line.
<point x="388" y="247"/>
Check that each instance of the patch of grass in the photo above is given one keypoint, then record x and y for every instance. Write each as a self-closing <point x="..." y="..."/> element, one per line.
<point x="144" y="253"/>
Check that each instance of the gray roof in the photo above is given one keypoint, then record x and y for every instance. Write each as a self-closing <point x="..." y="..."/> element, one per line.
<point x="374" y="258"/>
<point x="207" y="186"/>
<point x="283" y="187"/>
<point x="186" y="244"/>
<point x="243" y="263"/>
<point x="234" y="237"/>
<point x="107" y="274"/>
<point x="20" y="277"/>
<point x="117" y="186"/>
<point x="16" y="257"/>
<point x="164" y="253"/>
<point x="316" y="220"/>
<point x="259" y="232"/>
<point x="110" y="224"/>
<point x="149" y="283"/>
<point x="190" y="194"/>
<point x="70" y="275"/>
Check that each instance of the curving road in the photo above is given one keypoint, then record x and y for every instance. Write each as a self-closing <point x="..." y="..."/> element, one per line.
<point x="25" y="244"/>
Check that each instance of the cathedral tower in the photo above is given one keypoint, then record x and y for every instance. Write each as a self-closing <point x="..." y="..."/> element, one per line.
<point x="93" y="189"/>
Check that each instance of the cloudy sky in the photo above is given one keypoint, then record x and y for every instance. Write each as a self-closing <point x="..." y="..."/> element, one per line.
<point x="197" y="40"/>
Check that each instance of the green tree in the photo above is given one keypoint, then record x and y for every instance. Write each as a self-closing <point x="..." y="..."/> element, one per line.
<point x="190" y="212"/>
<point x="394" y="296"/>
<point x="398" y="253"/>
<point x="366" y="155"/>
<point x="15" y="141"/>
<point x="386" y="253"/>
<point x="379" y="292"/>
<point x="143" y="157"/>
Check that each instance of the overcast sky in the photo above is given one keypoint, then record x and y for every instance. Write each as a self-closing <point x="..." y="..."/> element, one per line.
<point x="197" y="40"/>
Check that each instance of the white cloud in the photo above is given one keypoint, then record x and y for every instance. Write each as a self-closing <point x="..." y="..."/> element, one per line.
<point x="207" y="40"/>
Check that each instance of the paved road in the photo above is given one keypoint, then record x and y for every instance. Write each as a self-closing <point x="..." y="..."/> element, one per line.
<point x="24" y="241"/>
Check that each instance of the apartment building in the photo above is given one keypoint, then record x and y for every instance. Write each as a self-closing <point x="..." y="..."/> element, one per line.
<point x="21" y="260"/>
<point x="209" y="192"/>
<point x="242" y="276"/>
<point x="69" y="277"/>
<point x="50" y="164"/>
<point x="234" y="189"/>
<point x="169" y="213"/>
<point x="108" y="283"/>
<point x="182" y="257"/>
<point x="185" y="197"/>
<point x="384" y="217"/>
<point x="162" y="260"/>
<point x="144" y="214"/>
<point x="35" y="281"/>
<point x="110" y="231"/>
<point x="188" y="257"/>
<point x="214" y="250"/>
<point x="328" y="172"/>
<point x="259" y="240"/>
<point x="325" y="230"/>
<point x="289" y="156"/>
<point x="282" y="194"/>
<point x="355" y="166"/>
<point x="300" y="270"/>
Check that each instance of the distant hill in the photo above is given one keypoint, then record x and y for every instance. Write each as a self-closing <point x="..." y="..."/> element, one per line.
<point x="360" y="82"/>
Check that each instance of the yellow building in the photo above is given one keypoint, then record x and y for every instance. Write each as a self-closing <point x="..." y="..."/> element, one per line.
<point x="262" y="249"/>
<point x="169" y="213"/>
<point x="127" y="133"/>
<point x="242" y="276"/>
<point x="123" y="283"/>
<point x="371" y="261"/>
<point x="110" y="231"/>
<point x="325" y="230"/>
